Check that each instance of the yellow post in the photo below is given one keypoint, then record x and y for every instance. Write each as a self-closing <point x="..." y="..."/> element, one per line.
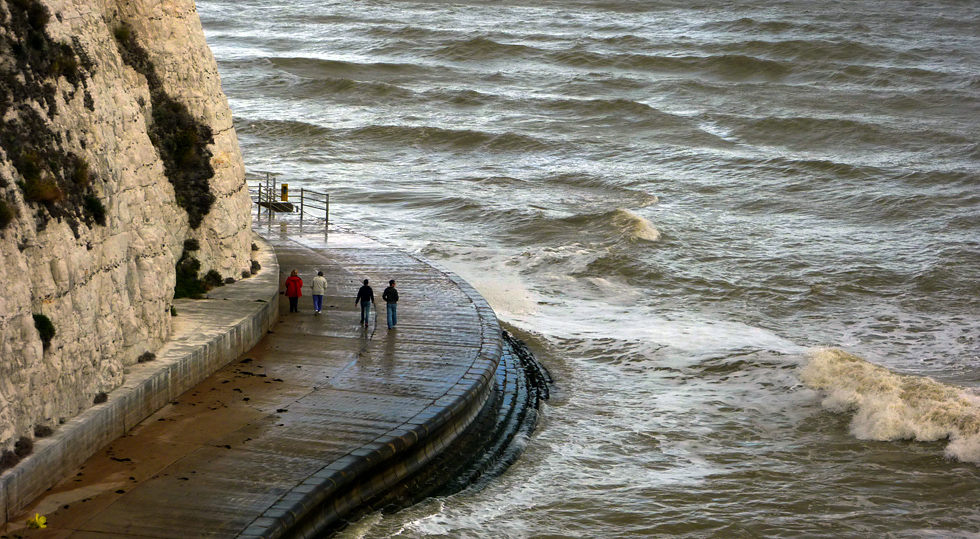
<point x="285" y="192"/>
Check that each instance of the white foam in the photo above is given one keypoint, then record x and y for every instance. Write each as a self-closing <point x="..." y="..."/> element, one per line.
<point x="603" y="309"/>
<point x="499" y="283"/>
<point x="717" y="130"/>
<point x="693" y="334"/>
<point x="558" y="305"/>
<point x="891" y="406"/>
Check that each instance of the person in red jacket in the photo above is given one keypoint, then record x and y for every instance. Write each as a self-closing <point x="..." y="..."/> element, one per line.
<point x="294" y="289"/>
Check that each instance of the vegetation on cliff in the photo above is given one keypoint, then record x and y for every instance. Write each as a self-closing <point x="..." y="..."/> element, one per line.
<point x="45" y="329"/>
<point x="180" y="138"/>
<point x="189" y="284"/>
<point x="56" y="182"/>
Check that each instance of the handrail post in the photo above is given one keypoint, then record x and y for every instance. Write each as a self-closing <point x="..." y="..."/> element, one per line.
<point x="268" y="189"/>
<point x="326" y="212"/>
<point x="301" y="204"/>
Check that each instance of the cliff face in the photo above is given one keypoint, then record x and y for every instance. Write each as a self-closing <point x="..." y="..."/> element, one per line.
<point x="117" y="146"/>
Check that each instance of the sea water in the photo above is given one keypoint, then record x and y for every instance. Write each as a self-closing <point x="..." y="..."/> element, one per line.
<point x="744" y="237"/>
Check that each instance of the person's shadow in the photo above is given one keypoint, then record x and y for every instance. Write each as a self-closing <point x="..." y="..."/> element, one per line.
<point x="388" y="358"/>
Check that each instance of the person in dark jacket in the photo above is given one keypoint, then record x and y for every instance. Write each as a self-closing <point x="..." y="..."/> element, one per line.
<point x="390" y="297"/>
<point x="294" y="289"/>
<point x="365" y="295"/>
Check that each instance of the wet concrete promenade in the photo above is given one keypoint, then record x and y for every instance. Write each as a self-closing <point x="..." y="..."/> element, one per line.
<point x="318" y="418"/>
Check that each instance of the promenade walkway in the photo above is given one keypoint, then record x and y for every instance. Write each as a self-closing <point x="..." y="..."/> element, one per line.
<point x="318" y="418"/>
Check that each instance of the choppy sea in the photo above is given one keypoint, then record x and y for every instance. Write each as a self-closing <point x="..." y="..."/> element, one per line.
<point x="744" y="237"/>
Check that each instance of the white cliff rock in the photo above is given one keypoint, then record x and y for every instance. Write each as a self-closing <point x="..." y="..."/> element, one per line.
<point x="108" y="290"/>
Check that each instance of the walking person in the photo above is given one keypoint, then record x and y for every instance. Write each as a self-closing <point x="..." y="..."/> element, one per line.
<point x="294" y="289"/>
<point x="319" y="289"/>
<point x="365" y="295"/>
<point x="390" y="297"/>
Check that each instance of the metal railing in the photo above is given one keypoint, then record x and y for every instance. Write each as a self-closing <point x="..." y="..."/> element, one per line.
<point x="275" y="198"/>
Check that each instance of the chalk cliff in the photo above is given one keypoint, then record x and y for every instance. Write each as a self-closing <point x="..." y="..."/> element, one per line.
<point x="116" y="146"/>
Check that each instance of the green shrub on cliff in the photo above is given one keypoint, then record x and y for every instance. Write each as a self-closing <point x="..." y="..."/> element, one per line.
<point x="94" y="208"/>
<point x="24" y="447"/>
<point x="212" y="279"/>
<point x="8" y="212"/>
<point x="44" y="190"/>
<point x="181" y="139"/>
<point x="81" y="175"/>
<point x="8" y="459"/>
<point x="45" y="329"/>
<point x="55" y="181"/>
<point x="188" y="284"/>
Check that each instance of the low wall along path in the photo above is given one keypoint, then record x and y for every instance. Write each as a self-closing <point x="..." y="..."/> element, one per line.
<point x="317" y="419"/>
<point x="207" y="334"/>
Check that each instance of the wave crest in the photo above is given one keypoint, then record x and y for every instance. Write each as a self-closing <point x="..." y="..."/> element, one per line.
<point x="729" y="66"/>
<point x="481" y="48"/>
<point x="635" y="226"/>
<point x="889" y="406"/>
<point x="460" y="139"/>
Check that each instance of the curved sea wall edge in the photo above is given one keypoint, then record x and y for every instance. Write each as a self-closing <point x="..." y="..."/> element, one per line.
<point x="321" y="503"/>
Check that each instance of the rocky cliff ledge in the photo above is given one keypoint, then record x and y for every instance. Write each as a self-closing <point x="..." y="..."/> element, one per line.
<point x="116" y="147"/>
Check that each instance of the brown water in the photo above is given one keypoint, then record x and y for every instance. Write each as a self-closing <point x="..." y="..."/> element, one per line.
<point x="682" y="203"/>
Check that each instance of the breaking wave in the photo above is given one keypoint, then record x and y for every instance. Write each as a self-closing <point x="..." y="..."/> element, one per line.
<point x="324" y="67"/>
<point x="607" y="228"/>
<point x="460" y="139"/>
<point x="809" y="49"/>
<point x="888" y="406"/>
<point x="635" y="226"/>
<point x="481" y="48"/>
<point x="729" y="66"/>
<point x="284" y="128"/>
<point x="320" y="87"/>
